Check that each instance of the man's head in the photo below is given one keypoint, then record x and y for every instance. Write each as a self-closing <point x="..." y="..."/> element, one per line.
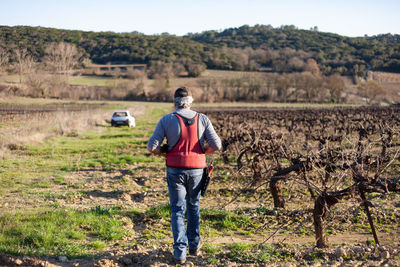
<point x="182" y="98"/>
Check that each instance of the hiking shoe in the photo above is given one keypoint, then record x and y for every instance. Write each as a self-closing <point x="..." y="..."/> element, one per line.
<point x="196" y="251"/>
<point x="180" y="261"/>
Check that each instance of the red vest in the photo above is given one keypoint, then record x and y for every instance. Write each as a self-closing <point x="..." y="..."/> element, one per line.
<point x="187" y="152"/>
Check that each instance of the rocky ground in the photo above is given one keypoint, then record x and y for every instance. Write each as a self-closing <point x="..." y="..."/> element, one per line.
<point x="357" y="255"/>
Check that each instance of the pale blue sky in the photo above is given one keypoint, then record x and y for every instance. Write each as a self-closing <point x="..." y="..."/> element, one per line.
<point x="349" y="18"/>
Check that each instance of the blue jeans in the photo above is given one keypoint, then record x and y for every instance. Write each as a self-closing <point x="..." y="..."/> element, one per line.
<point x="184" y="188"/>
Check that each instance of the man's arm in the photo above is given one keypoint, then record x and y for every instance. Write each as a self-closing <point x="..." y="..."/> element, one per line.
<point x="211" y="137"/>
<point x="155" y="141"/>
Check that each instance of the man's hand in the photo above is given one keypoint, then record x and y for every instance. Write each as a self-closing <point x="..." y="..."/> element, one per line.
<point x="162" y="150"/>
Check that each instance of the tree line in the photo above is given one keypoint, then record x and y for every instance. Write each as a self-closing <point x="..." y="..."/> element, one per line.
<point x="261" y="47"/>
<point x="50" y="78"/>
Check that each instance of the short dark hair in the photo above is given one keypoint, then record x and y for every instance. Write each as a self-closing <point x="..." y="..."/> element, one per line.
<point x="181" y="92"/>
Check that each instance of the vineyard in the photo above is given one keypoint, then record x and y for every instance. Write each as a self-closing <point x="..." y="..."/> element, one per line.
<point x="316" y="158"/>
<point x="292" y="186"/>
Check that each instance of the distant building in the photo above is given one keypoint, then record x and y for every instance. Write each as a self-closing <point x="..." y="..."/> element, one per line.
<point x="120" y="67"/>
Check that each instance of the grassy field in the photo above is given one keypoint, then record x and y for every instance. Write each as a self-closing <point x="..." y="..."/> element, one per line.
<point x="94" y="194"/>
<point x="104" y="81"/>
<point x="39" y="214"/>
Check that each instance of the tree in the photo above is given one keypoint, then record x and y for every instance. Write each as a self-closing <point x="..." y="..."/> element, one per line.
<point x="370" y="90"/>
<point x="178" y="67"/>
<point x="3" y="58"/>
<point x="335" y="84"/>
<point x="282" y="85"/>
<point x="312" y="66"/>
<point x="24" y="62"/>
<point x="62" y="57"/>
<point x="160" y="69"/>
<point x="195" y="69"/>
<point x="310" y="84"/>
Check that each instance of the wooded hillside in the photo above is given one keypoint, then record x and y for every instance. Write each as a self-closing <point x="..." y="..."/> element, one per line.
<point x="261" y="47"/>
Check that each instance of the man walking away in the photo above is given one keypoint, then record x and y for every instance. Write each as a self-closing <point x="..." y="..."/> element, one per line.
<point x="190" y="135"/>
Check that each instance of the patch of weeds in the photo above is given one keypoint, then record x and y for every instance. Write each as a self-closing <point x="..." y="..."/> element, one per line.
<point x="55" y="205"/>
<point x="212" y="260"/>
<point x="114" y="210"/>
<point x="371" y="242"/>
<point x="208" y="231"/>
<point x="212" y="248"/>
<point x="52" y="196"/>
<point x="58" y="232"/>
<point x="241" y="252"/>
<point x="254" y="253"/>
<point x="316" y="255"/>
<point x="158" y="212"/>
<point x="98" y="245"/>
<point x="245" y="232"/>
<point x="79" y="185"/>
<point x="131" y="212"/>
<point x="121" y="135"/>
<point x="156" y="233"/>
<point x="42" y="184"/>
<point x="123" y="180"/>
<point x="145" y="188"/>
<point x="59" y="179"/>
<point x="345" y="257"/>
<point x="110" y="160"/>
<point x="225" y="220"/>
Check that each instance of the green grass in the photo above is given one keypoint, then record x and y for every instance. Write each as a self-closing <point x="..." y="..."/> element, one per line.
<point x="38" y="174"/>
<point x="73" y="80"/>
<point x="91" y="80"/>
<point x="158" y="212"/>
<point x="59" y="232"/>
<point x="254" y="253"/>
<point x="115" y="149"/>
<point x="212" y="248"/>
<point x="223" y="220"/>
<point x="108" y="149"/>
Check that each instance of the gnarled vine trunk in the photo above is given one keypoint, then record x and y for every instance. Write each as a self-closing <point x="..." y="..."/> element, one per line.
<point x="276" y="192"/>
<point x="321" y="207"/>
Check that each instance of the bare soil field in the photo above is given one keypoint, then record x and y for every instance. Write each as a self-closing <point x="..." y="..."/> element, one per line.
<point x="91" y="195"/>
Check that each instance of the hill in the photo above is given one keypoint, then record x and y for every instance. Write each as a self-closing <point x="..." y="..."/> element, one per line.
<point x="261" y="47"/>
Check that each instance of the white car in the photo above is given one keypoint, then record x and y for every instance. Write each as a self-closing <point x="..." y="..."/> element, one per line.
<point x="122" y="117"/>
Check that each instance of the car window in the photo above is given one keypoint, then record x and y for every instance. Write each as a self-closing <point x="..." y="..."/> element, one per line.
<point x="120" y="114"/>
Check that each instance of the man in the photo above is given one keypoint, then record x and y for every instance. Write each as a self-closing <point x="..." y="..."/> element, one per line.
<point x="190" y="135"/>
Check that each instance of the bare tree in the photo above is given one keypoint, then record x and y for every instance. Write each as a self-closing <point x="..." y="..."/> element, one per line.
<point x="3" y="58"/>
<point x="310" y="83"/>
<point x="370" y="90"/>
<point x="335" y="85"/>
<point x="312" y="66"/>
<point x="282" y="85"/>
<point x="62" y="57"/>
<point x="24" y="62"/>
<point x="160" y="69"/>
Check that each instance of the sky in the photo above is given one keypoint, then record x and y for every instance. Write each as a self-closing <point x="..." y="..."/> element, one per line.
<point x="345" y="17"/>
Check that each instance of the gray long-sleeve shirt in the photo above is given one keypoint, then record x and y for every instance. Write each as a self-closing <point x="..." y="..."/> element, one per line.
<point x="169" y="127"/>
